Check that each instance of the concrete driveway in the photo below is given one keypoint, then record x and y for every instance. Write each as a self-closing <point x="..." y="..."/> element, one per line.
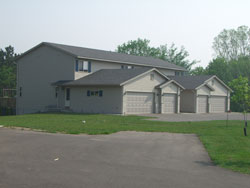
<point x="196" y="117"/>
<point x="126" y="159"/>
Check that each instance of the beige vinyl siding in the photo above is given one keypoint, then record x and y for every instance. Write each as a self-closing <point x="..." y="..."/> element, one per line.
<point x="167" y="72"/>
<point x="204" y="90"/>
<point x="219" y="89"/>
<point x="144" y="84"/>
<point x="109" y="103"/>
<point x="36" y="71"/>
<point x="98" y="65"/>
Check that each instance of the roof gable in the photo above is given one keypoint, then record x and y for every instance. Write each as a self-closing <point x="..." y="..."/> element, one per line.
<point x="169" y="82"/>
<point x="195" y="82"/>
<point x="191" y="82"/>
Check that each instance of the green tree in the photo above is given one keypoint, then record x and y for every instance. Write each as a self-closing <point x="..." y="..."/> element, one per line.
<point x="220" y="68"/>
<point x="241" y="94"/>
<point x="233" y="43"/>
<point x="172" y="54"/>
<point x="7" y="68"/>
<point x="198" y="71"/>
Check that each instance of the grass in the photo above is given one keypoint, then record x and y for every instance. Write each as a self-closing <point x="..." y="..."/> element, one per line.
<point x="226" y="145"/>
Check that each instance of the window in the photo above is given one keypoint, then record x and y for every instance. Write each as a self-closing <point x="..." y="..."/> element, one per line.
<point x="20" y="91"/>
<point x="212" y="82"/>
<point x="100" y="93"/>
<point x="130" y="67"/>
<point x="67" y="94"/>
<point x="83" y="66"/>
<point x="178" y="73"/>
<point x="95" y="93"/>
<point x="152" y="76"/>
<point x="127" y="67"/>
<point x="56" y="92"/>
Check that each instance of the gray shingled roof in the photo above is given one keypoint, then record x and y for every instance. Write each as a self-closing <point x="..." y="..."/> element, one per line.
<point x="190" y="82"/>
<point x="115" y="57"/>
<point x="111" y="77"/>
<point x="61" y="82"/>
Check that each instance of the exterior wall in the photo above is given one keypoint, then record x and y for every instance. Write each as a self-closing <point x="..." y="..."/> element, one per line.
<point x="144" y="84"/>
<point x="98" y="65"/>
<point x="204" y="90"/>
<point x="167" y="72"/>
<point x="219" y="89"/>
<point x="35" y="73"/>
<point x="188" y="101"/>
<point x="110" y="102"/>
<point x="170" y="88"/>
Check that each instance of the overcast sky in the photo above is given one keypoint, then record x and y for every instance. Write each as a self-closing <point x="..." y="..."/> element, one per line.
<point x="108" y="23"/>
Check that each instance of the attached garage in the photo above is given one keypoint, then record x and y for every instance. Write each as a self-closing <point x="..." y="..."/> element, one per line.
<point x="203" y="94"/>
<point x="218" y="104"/>
<point x="170" y="97"/>
<point x="169" y="103"/>
<point x="139" y="103"/>
<point x="202" y="103"/>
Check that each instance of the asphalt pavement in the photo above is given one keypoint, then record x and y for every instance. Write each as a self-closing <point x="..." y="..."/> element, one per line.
<point x="126" y="159"/>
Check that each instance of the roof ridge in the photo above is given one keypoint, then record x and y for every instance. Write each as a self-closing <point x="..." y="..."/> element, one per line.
<point x="106" y="51"/>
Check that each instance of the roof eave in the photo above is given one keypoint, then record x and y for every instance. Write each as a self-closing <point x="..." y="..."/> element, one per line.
<point x="169" y="82"/>
<point x="130" y="63"/>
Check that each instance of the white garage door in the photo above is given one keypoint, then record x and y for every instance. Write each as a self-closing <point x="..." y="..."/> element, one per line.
<point x="202" y="104"/>
<point x="139" y="103"/>
<point x="169" y="103"/>
<point x="217" y="104"/>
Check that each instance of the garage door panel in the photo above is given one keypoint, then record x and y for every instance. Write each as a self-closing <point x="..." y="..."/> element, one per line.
<point x="139" y="103"/>
<point x="169" y="103"/>
<point x="218" y="104"/>
<point x="202" y="104"/>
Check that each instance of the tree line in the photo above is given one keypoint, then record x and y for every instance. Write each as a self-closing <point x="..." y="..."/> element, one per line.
<point x="231" y="60"/>
<point x="7" y="69"/>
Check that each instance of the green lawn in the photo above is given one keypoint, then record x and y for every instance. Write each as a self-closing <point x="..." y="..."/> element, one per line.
<point x="226" y="146"/>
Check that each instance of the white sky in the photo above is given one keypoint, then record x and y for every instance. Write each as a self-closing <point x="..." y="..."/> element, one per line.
<point x="106" y="24"/>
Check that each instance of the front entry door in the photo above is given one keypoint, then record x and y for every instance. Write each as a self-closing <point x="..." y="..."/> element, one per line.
<point x="67" y="97"/>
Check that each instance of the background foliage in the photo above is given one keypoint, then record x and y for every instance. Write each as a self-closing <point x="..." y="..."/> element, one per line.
<point x="171" y="54"/>
<point x="7" y="69"/>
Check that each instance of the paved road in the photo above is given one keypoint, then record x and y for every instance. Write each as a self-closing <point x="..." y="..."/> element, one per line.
<point x="196" y="117"/>
<point x="126" y="159"/>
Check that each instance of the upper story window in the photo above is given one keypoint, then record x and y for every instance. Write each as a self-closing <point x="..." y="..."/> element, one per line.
<point x="178" y="73"/>
<point x="83" y="66"/>
<point x="152" y="77"/>
<point x="127" y="67"/>
<point x="20" y="91"/>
